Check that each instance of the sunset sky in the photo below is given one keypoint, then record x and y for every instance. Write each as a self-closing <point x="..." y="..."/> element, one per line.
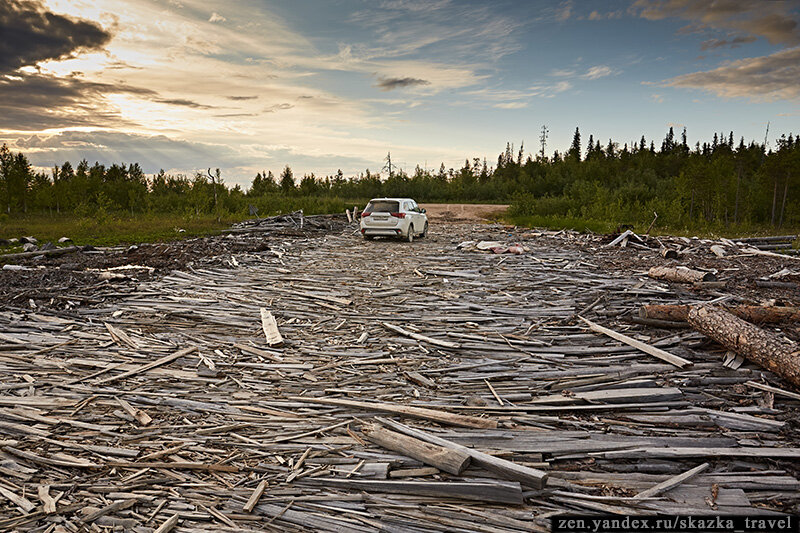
<point x="324" y="85"/>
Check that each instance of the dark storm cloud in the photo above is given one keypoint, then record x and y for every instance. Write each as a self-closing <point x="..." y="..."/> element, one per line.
<point x="29" y="33"/>
<point x="388" y="84"/>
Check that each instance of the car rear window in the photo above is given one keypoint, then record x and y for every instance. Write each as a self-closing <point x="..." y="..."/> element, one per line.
<point x="383" y="207"/>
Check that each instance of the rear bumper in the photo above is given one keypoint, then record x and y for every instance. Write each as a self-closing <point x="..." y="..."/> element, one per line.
<point x="382" y="232"/>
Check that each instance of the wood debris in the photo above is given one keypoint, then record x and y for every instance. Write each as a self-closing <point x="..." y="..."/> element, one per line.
<point x="415" y="387"/>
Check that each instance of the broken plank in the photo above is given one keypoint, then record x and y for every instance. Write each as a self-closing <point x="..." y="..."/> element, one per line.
<point x="447" y="459"/>
<point x="506" y="492"/>
<point x="530" y="476"/>
<point x="442" y="417"/>
<point x="418" y="337"/>
<point x="680" y="362"/>
<point x="144" y="368"/>
<point x="672" y="482"/>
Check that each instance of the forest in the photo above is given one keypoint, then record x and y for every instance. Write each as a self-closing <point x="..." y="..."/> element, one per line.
<point x="722" y="184"/>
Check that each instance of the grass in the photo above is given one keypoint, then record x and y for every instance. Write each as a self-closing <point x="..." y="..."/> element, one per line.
<point x="114" y="229"/>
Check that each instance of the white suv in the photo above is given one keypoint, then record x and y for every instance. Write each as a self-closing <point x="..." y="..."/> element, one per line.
<point x="393" y="217"/>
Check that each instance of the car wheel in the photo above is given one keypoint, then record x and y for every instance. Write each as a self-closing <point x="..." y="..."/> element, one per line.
<point x="410" y="235"/>
<point x="368" y="237"/>
<point x="424" y="231"/>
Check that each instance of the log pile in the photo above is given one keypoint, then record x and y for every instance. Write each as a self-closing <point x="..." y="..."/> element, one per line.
<point x="414" y="388"/>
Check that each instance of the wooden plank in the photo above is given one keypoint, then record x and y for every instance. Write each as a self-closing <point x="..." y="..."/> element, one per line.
<point x="168" y="525"/>
<point x="270" y="327"/>
<point x="144" y="368"/>
<point x="446" y="459"/>
<point x="255" y="496"/>
<point x="680" y="362"/>
<point x="774" y="390"/>
<point x="672" y="482"/>
<point x="418" y="337"/>
<point x="442" y="417"/>
<point x="530" y="476"/>
<point x="175" y="466"/>
<point x="504" y="492"/>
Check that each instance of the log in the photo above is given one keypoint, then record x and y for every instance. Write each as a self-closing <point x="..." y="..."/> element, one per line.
<point x="441" y="417"/>
<point x="451" y="461"/>
<point x="669" y="253"/>
<point x="5" y="258"/>
<point x="507" y="469"/>
<point x="718" y="250"/>
<point x="763" y="348"/>
<point x="680" y="274"/>
<point x="756" y="314"/>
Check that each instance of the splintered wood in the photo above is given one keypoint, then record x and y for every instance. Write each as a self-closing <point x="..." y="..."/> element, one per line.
<point x="325" y="383"/>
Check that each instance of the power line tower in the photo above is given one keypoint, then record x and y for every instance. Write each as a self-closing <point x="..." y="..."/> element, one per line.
<point x="543" y="140"/>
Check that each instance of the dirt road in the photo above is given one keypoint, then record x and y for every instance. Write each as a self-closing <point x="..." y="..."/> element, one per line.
<point x="140" y="400"/>
<point x="463" y="212"/>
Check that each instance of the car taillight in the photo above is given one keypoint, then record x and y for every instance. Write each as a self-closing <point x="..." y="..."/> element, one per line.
<point x="365" y="214"/>
<point x="398" y="215"/>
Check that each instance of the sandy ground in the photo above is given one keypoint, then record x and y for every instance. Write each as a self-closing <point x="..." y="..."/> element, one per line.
<point x="463" y="212"/>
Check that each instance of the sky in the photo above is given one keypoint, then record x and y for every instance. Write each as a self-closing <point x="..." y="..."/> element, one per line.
<point x="252" y="85"/>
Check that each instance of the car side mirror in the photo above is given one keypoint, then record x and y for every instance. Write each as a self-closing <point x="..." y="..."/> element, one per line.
<point x="423" y="210"/>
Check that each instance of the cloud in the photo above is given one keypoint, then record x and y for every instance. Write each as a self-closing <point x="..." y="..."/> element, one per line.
<point x="389" y="84"/>
<point x="37" y="101"/>
<point x="216" y="17"/>
<point x="152" y="152"/>
<point x="600" y="71"/>
<point x="511" y="105"/>
<point x="774" y="20"/>
<point x="766" y="78"/>
<point x="182" y="102"/>
<point x="657" y="98"/>
<point x="564" y="11"/>
<point x="277" y="107"/>
<point x="239" y="98"/>
<point x="734" y="42"/>
<point x="29" y="34"/>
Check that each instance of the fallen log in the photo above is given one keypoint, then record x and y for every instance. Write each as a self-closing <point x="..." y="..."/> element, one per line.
<point x="451" y="461"/>
<point x="680" y="274"/>
<point x="5" y="258"/>
<point x="756" y="314"/>
<point x="763" y="348"/>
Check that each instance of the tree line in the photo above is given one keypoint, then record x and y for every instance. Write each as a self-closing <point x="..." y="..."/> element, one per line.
<point x="722" y="182"/>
